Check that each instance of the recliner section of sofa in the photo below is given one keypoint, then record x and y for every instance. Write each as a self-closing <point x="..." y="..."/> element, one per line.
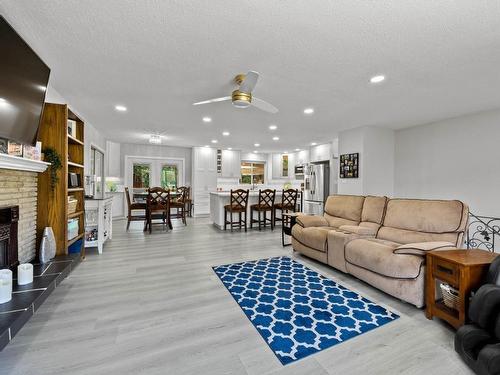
<point x="387" y="247"/>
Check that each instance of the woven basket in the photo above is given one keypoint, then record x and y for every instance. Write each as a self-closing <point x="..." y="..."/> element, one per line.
<point x="72" y="203"/>
<point x="450" y="296"/>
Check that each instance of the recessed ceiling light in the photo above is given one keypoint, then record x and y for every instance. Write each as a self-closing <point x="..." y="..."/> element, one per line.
<point x="286" y="152"/>
<point x="273" y="127"/>
<point x="229" y="148"/>
<point x="207" y="119"/>
<point x="276" y="138"/>
<point x="121" y="108"/>
<point x="255" y="151"/>
<point x="207" y="146"/>
<point x="214" y="141"/>
<point x="297" y="149"/>
<point x="377" y="79"/>
<point x="313" y="144"/>
<point x="155" y="139"/>
<point x="225" y="134"/>
<point x="309" y="111"/>
<point x="256" y="144"/>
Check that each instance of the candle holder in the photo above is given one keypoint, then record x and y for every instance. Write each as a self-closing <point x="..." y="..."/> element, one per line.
<point x="5" y="285"/>
<point x="24" y="274"/>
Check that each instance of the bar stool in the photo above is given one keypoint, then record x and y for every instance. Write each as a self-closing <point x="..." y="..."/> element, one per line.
<point x="266" y="203"/>
<point x="238" y="204"/>
<point x="288" y="203"/>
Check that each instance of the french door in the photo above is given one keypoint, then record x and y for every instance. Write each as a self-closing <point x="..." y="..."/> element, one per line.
<point x="146" y="172"/>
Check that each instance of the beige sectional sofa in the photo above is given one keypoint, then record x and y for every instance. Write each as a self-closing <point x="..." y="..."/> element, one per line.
<point x="382" y="241"/>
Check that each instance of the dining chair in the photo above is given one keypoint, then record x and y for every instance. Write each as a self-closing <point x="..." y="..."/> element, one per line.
<point x="134" y="206"/>
<point x="189" y="202"/>
<point x="157" y="207"/>
<point x="288" y="203"/>
<point x="238" y="204"/>
<point x="266" y="204"/>
<point x="178" y="202"/>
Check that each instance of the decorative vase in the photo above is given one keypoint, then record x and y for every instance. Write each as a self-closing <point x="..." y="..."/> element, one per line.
<point x="48" y="245"/>
<point x="5" y="285"/>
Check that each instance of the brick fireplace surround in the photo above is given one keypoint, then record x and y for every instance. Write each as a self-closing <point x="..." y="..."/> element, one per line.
<point x="20" y="188"/>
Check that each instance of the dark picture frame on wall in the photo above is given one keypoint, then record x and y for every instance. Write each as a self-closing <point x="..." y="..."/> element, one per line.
<point x="349" y="165"/>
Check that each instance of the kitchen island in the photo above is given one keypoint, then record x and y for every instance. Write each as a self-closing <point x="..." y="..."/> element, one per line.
<point x="218" y="199"/>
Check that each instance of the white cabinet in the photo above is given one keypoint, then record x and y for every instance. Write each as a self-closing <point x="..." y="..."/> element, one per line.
<point x="231" y="164"/>
<point x="321" y="152"/>
<point x="118" y="204"/>
<point x="114" y="160"/>
<point x="276" y="166"/>
<point x="302" y="157"/>
<point x="204" y="179"/>
<point x="98" y="226"/>
<point x="277" y="169"/>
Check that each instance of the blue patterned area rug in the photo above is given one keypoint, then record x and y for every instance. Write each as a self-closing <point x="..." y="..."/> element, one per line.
<point x="296" y="310"/>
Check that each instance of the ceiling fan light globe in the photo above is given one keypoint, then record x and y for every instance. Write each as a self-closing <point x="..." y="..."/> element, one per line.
<point x="241" y="103"/>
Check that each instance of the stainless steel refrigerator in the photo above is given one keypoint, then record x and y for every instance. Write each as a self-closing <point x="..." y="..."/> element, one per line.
<point x="316" y="187"/>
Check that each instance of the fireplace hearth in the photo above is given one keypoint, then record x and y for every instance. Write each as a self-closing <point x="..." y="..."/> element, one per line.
<point x="9" y="217"/>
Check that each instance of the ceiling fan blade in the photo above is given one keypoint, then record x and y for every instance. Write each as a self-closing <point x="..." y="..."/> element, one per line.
<point x="263" y="105"/>
<point x="249" y="82"/>
<point x="224" y="98"/>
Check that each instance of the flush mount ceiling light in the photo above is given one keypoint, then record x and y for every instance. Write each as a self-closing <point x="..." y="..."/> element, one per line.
<point x="313" y="144"/>
<point x="309" y="111"/>
<point x="276" y="138"/>
<point x="207" y="119"/>
<point x="225" y="134"/>
<point x="273" y="127"/>
<point x="297" y="149"/>
<point x="377" y="79"/>
<point x="155" y="139"/>
<point x="229" y="148"/>
<point x="120" y="108"/>
<point x="256" y="144"/>
<point x="214" y="141"/>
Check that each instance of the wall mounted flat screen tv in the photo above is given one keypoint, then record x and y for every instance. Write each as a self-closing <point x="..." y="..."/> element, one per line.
<point x="23" y="83"/>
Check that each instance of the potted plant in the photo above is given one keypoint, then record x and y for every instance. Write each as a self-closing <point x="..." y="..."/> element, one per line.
<point x="51" y="156"/>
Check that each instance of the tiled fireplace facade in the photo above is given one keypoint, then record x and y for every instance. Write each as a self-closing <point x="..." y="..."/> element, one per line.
<point x="20" y="188"/>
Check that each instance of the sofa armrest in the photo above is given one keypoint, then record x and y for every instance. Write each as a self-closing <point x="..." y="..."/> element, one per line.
<point x="307" y="221"/>
<point x="365" y="231"/>
<point x="421" y="248"/>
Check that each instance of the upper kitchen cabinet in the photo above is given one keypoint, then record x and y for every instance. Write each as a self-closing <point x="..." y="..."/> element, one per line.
<point x="114" y="162"/>
<point x="321" y="152"/>
<point x="301" y="157"/>
<point x="282" y="166"/>
<point x="231" y="164"/>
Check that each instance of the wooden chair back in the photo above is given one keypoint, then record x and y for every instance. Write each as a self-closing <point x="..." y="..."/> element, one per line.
<point x="289" y="199"/>
<point x="182" y="194"/>
<point x="239" y="198"/>
<point x="129" y="202"/>
<point x="158" y="199"/>
<point x="266" y="198"/>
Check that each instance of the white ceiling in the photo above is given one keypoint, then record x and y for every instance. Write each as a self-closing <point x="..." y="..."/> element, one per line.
<point x="441" y="59"/>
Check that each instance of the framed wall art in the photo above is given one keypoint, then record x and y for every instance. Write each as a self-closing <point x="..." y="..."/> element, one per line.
<point x="349" y="165"/>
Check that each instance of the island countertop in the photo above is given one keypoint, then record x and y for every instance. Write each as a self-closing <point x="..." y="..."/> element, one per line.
<point x="252" y="193"/>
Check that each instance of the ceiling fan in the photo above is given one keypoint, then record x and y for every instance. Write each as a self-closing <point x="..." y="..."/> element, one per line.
<point x="242" y="97"/>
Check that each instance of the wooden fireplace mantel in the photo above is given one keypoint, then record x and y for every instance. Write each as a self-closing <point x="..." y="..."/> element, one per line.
<point x="22" y="164"/>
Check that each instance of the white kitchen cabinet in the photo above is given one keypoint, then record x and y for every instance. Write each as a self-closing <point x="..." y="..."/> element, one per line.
<point x="291" y="166"/>
<point x="98" y="226"/>
<point x="277" y="166"/>
<point x="302" y="157"/>
<point x="204" y="179"/>
<point x="231" y="164"/>
<point x="114" y="160"/>
<point x="321" y="152"/>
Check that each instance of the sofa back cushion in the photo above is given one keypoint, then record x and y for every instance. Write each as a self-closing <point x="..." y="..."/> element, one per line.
<point x="343" y="209"/>
<point x="373" y="209"/>
<point x="419" y="220"/>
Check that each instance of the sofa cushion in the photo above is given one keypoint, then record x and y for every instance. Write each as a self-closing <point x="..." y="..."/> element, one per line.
<point x="311" y="221"/>
<point x="358" y="229"/>
<point x="378" y="256"/>
<point x="373" y="209"/>
<point x="430" y="216"/>
<point x="313" y="237"/>
<point x="421" y="248"/>
<point x="347" y="207"/>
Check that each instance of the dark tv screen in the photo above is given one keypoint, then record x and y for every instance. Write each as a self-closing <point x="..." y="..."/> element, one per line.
<point x="23" y="83"/>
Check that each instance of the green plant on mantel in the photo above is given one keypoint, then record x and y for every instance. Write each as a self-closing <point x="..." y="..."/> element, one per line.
<point x="51" y="156"/>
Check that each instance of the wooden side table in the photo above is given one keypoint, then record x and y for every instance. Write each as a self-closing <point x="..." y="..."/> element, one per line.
<point x="289" y="220"/>
<point x="462" y="269"/>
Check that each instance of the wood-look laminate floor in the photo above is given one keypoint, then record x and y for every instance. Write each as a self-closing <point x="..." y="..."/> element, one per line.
<point x="151" y="304"/>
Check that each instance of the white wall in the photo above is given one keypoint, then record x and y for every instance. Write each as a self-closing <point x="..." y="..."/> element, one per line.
<point x="376" y="160"/>
<point x="452" y="159"/>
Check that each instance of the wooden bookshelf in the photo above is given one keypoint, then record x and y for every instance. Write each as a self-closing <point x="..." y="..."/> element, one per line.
<point x="53" y="203"/>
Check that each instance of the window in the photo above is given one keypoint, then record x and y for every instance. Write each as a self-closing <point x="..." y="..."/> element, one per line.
<point x="141" y="177"/>
<point x="284" y="163"/>
<point x="169" y="177"/>
<point x="252" y="173"/>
